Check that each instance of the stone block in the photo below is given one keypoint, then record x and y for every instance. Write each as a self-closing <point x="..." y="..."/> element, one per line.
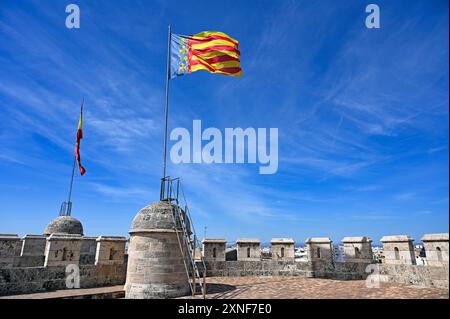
<point x="33" y="245"/>
<point x="283" y="249"/>
<point x="319" y="249"/>
<point x="62" y="250"/>
<point x="248" y="249"/>
<point x="398" y="249"/>
<point x="214" y="249"/>
<point x="357" y="249"/>
<point x="9" y="248"/>
<point x="110" y="250"/>
<point x="436" y="249"/>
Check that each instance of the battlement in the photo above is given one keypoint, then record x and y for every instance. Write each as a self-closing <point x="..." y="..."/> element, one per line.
<point x="38" y="262"/>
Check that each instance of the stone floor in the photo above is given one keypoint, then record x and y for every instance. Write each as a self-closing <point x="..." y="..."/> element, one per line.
<point x="269" y="288"/>
<point x="111" y="292"/>
<point x="312" y="288"/>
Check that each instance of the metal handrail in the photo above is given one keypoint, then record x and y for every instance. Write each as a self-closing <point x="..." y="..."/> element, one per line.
<point x="171" y="193"/>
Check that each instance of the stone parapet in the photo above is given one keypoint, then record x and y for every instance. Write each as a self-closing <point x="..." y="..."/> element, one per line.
<point x="398" y="249"/>
<point x="248" y="249"/>
<point x="62" y="250"/>
<point x="110" y="250"/>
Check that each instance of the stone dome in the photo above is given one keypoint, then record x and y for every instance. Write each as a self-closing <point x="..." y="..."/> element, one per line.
<point x="156" y="216"/>
<point x="65" y="225"/>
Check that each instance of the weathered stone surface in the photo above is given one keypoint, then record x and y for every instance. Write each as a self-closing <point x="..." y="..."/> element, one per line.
<point x="64" y="225"/>
<point x="39" y="279"/>
<point x="214" y="248"/>
<point x="398" y="249"/>
<point x="9" y="249"/>
<point x="436" y="249"/>
<point x="88" y="250"/>
<point x="319" y="248"/>
<point x="358" y="249"/>
<point x="33" y="245"/>
<point x="110" y="250"/>
<point x="156" y="266"/>
<point x="248" y="249"/>
<point x="62" y="250"/>
<point x="155" y="217"/>
<point x="283" y="249"/>
<point x="425" y="276"/>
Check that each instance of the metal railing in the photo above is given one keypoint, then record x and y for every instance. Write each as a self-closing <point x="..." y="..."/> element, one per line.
<point x="172" y="191"/>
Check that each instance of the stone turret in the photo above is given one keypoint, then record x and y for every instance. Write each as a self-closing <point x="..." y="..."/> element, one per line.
<point x="155" y="263"/>
<point x="64" y="225"/>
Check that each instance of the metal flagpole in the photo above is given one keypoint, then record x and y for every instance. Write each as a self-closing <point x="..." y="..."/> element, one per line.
<point x="68" y="209"/>
<point x="166" y="113"/>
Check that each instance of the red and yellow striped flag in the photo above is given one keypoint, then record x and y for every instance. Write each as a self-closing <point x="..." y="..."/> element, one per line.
<point x="211" y="51"/>
<point x="77" y="142"/>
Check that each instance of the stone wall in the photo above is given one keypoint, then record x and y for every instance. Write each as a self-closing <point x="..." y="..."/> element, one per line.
<point x="36" y="270"/>
<point x="214" y="249"/>
<point x="62" y="249"/>
<point x="425" y="276"/>
<point x="40" y="279"/>
<point x="10" y="246"/>
<point x="239" y="268"/>
<point x="248" y="249"/>
<point x="337" y="271"/>
<point x="283" y="249"/>
<point x="110" y="250"/>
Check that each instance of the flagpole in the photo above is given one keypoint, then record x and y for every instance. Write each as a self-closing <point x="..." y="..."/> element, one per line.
<point x="71" y="180"/>
<point x="69" y="203"/>
<point x="166" y="113"/>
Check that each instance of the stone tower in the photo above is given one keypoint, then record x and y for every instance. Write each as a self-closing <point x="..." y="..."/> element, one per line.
<point x="156" y="268"/>
<point x="64" y="225"/>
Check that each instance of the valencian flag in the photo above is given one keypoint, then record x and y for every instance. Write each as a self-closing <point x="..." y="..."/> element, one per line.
<point x="211" y="51"/>
<point x="77" y="143"/>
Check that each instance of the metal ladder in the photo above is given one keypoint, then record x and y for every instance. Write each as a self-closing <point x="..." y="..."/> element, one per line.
<point x="172" y="192"/>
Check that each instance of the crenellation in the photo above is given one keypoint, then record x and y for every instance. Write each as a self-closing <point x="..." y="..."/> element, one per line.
<point x="45" y="268"/>
<point x="358" y="249"/>
<point x="398" y="249"/>
<point x="214" y="249"/>
<point x="248" y="249"/>
<point x="319" y="249"/>
<point x="283" y="249"/>
<point x="110" y="250"/>
<point x="9" y="249"/>
<point x="62" y="250"/>
<point x="436" y="249"/>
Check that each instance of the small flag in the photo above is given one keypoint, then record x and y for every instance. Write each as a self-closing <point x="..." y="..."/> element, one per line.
<point x="77" y="143"/>
<point x="211" y="51"/>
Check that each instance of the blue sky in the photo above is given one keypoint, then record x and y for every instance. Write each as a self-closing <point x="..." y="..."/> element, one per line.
<point x="362" y="116"/>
